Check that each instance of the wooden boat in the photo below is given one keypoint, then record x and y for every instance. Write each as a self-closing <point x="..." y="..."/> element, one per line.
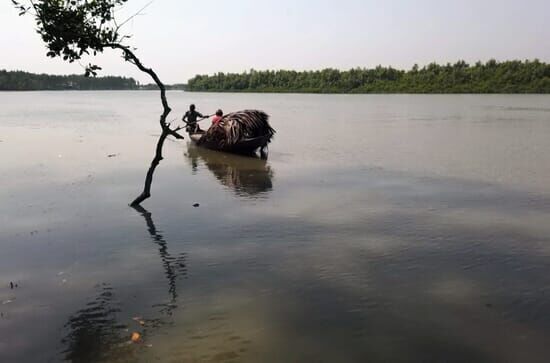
<point x="241" y="132"/>
<point x="243" y="146"/>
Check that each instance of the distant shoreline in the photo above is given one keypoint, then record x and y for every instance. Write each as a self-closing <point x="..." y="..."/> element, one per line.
<point x="17" y="81"/>
<point x="284" y="92"/>
<point x="369" y="93"/>
<point x="491" y="77"/>
<point x="87" y="90"/>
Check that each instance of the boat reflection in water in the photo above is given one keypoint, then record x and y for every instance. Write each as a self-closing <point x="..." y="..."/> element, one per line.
<point x="248" y="175"/>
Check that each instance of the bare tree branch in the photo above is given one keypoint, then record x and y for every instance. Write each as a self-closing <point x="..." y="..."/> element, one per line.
<point x="139" y="12"/>
<point x="130" y="56"/>
<point x="72" y="28"/>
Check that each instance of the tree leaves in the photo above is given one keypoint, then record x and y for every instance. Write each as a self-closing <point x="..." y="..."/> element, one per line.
<point x="74" y="28"/>
<point x="91" y="69"/>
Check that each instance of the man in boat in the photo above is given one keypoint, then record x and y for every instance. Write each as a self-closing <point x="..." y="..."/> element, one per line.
<point x="191" y="119"/>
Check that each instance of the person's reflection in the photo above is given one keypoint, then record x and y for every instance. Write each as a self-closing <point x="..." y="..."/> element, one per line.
<point x="95" y="332"/>
<point x="248" y="176"/>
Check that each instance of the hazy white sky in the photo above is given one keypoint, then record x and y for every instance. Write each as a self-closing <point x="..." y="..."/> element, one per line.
<point x="181" y="38"/>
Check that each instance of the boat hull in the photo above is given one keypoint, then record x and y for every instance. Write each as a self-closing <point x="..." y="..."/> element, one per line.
<point x="244" y="146"/>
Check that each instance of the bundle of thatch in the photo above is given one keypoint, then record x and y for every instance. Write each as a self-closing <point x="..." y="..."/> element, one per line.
<point x="237" y="126"/>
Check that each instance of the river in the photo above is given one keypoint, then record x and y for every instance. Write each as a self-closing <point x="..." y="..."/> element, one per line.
<point x="381" y="228"/>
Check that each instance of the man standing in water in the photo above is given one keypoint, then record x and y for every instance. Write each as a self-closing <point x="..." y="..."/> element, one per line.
<point x="191" y="119"/>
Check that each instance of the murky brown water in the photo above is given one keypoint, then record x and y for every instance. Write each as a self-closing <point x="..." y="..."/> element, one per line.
<point x="382" y="228"/>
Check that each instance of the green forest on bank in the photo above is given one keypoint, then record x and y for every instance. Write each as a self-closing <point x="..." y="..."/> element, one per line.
<point x="460" y="77"/>
<point x="25" y="81"/>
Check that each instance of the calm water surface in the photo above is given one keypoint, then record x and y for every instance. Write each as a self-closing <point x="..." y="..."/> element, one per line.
<point x="381" y="228"/>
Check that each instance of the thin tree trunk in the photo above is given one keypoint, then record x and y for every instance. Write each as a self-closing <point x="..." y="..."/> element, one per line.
<point x="149" y="177"/>
<point x="166" y="130"/>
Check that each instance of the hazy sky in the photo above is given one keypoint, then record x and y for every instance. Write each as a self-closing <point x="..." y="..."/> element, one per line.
<point x="181" y="38"/>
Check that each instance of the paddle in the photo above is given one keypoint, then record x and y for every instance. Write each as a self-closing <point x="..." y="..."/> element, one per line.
<point x="203" y="118"/>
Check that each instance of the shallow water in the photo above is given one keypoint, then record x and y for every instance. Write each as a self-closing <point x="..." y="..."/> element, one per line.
<point x="381" y="228"/>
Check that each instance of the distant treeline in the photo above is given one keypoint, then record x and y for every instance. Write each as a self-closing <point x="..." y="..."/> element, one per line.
<point x="489" y="77"/>
<point x="169" y="87"/>
<point x="24" y="81"/>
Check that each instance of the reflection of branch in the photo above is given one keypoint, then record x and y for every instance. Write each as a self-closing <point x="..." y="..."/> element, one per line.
<point x="173" y="266"/>
<point x="94" y="334"/>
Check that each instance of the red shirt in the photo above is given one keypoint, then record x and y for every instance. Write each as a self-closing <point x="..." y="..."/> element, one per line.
<point x="216" y="120"/>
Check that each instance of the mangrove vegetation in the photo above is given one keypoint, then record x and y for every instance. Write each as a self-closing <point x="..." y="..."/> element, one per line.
<point x="24" y="81"/>
<point x="460" y="77"/>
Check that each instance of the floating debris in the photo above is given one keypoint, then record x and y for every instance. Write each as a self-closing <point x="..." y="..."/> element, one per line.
<point x="136" y="337"/>
<point x="112" y="155"/>
<point x="196" y="205"/>
<point x="5" y="302"/>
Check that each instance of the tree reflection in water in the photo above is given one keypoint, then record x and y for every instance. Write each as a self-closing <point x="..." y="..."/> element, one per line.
<point x="248" y="176"/>
<point x="95" y="334"/>
<point x="174" y="266"/>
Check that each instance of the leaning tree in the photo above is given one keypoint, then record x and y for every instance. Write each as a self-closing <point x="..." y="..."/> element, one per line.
<point x="73" y="29"/>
